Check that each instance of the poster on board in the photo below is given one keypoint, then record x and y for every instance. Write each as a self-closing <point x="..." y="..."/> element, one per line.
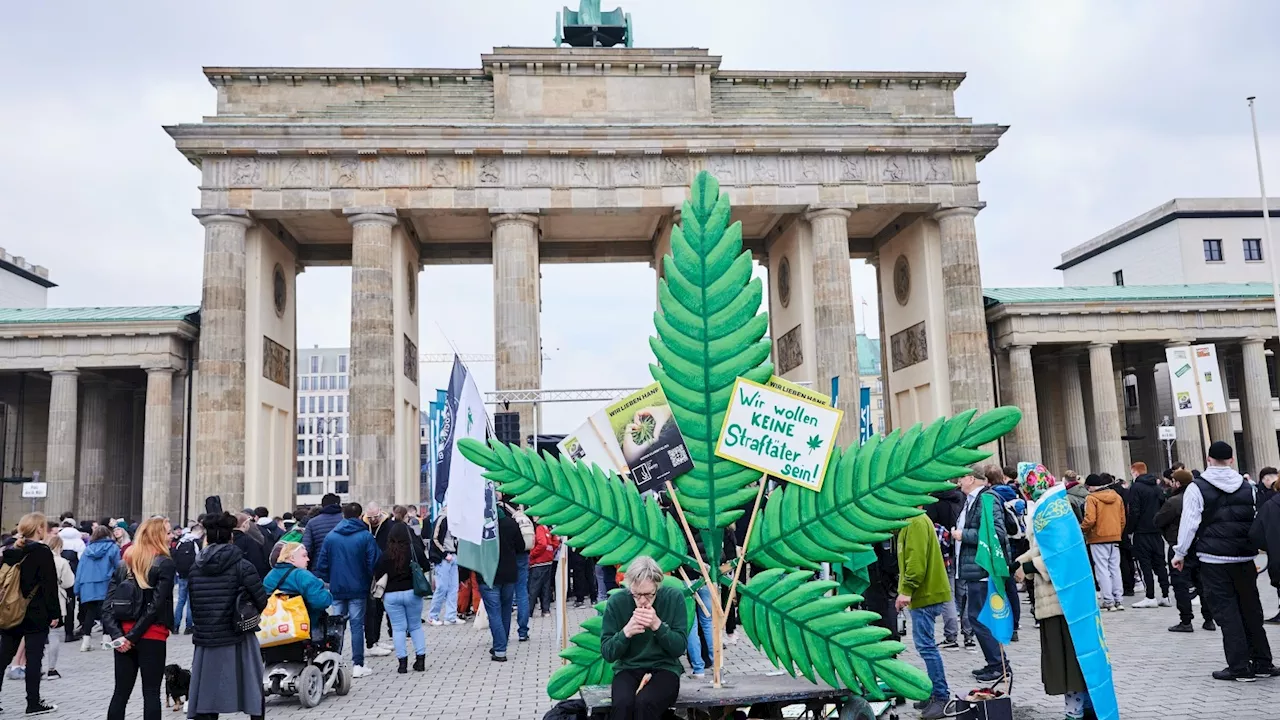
<point x="778" y="433"/>
<point x="588" y="445"/>
<point x="644" y="427"/>
<point x="1196" y="380"/>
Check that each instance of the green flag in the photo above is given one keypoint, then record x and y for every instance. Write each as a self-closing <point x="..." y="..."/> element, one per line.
<point x="990" y="555"/>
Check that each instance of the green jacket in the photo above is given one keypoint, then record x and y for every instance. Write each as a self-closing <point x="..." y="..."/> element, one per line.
<point x="921" y="573"/>
<point x="650" y="650"/>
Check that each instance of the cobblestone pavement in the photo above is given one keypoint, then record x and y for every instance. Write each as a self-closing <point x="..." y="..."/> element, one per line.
<point x="1158" y="675"/>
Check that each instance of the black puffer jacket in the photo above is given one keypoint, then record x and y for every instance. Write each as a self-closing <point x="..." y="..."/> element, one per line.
<point x="969" y="568"/>
<point x="1144" y="501"/>
<point x="39" y="581"/>
<point x="157" y="606"/>
<point x="254" y="551"/>
<point x="216" y="578"/>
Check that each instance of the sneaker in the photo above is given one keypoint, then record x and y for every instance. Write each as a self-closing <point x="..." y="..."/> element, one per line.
<point x="1181" y="628"/>
<point x="1015" y="637"/>
<point x="359" y="671"/>
<point x="577" y="603"/>
<point x="435" y="623"/>
<point x="948" y="644"/>
<point x="1265" y="672"/>
<point x="1119" y="607"/>
<point x="456" y="621"/>
<point x="1229" y="674"/>
<point x="1166" y="602"/>
<point x="86" y="644"/>
<point x="1273" y="620"/>
<point x="698" y="675"/>
<point x="16" y="673"/>
<point x="1210" y="625"/>
<point x="189" y="631"/>
<point x="524" y="639"/>
<point x="970" y="644"/>
<point x="53" y="675"/>
<point x="935" y="710"/>
<point x="498" y="658"/>
<point x="377" y="651"/>
<point x="41" y="708"/>
<point x="1105" y="607"/>
<point x="731" y="639"/>
<point x="990" y="675"/>
<point x="921" y="704"/>
<point x="1144" y="604"/>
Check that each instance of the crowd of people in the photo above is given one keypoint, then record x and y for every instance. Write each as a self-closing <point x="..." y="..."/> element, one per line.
<point x="1194" y="534"/>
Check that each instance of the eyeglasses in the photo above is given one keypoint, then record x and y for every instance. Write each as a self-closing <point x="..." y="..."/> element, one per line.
<point x="646" y="596"/>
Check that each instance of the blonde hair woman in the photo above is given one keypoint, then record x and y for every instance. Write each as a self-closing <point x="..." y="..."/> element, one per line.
<point x="39" y="583"/>
<point x="66" y="581"/>
<point x="139" y="615"/>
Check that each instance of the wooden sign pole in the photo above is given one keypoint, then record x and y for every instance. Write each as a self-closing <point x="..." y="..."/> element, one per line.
<point x="1204" y="419"/>
<point x="706" y="577"/>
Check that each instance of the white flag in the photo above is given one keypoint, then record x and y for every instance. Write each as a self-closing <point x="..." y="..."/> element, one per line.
<point x="466" y="494"/>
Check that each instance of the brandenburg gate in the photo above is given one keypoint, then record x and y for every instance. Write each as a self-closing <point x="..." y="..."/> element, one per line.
<point x="566" y="155"/>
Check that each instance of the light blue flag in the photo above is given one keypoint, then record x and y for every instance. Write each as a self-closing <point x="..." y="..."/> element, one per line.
<point x="996" y="614"/>
<point x="1063" y="551"/>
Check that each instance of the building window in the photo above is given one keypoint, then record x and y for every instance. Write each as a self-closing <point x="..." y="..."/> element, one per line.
<point x="338" y="426"/>
<point x="342" y="382"/>
<point x="1213" y="251"/>
<point x="879" y="386"/>
<point x="311" y="404"/>
<point x="342" y="487"/>
<point x="320" y="445"/>
<point x="332" y="402"/>
<point x="342" y="363"/>
<point x="342" y="403"/>
<point x="315" y="363"/>
<point x="302" y="447"/>
<point x="302" y="426"/>
<point x="1117" y="278"/>
<point x="337" y="468"/>
<point x="324" y="382"/>
<point x="302" y="405"/>
<point x="338" y="447"/>
<point x="302" y="468"/>
<point x="1252" y="250"/>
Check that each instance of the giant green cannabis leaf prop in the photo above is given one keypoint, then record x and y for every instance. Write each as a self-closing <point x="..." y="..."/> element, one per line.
<point x="709" y="333"/>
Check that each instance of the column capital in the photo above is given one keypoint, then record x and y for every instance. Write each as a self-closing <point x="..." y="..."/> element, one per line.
<point x="56" y="371"/>
<point x="1177" y="343"/>
<point x="154" y="368"/>
<point x="971" y="211"/>
<point x="375" y="214"/>
<point x="1253" y="341"/>
<point x="874" y="261"/>
<point x="817" y="212"/>
<point x="528" y="218"/>
<point x="223" y="216"/>
<point x="1101" y="345"/>
<point x="1021" y="346"/>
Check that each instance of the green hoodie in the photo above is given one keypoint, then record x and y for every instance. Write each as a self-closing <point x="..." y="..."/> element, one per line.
<point x="921" y="572"/>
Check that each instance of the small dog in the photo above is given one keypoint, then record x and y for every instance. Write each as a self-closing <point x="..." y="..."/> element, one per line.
<point x="177" y="685"/>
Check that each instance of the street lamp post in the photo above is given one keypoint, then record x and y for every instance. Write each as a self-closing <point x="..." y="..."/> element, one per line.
<point x="1274" y="262"/>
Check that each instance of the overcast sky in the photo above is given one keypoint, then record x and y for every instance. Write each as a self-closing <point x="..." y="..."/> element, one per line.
<point x="1114" y="108"/>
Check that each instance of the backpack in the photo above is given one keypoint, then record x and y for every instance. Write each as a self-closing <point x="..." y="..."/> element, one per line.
<point x="526" y="529"/>
<point x="13" y="604"/>
<point x="184" y="556"/>
<point x="126" y="598"/>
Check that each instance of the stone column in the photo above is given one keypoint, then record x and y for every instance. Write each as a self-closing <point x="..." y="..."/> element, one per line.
<point x="1257" y="388"/>
<point x="93" y="451"/>
<point x="1221" y="428"/>
<point x="1022" y="390"/>
<point x="886" y="395"/>
<point x="137" y="438"/>
<point x="1047" y="375"/>
<point x="60" y="458"/>
<point x="373" y="362"/>
<point x="833" y="325"/>
<point x="120" y="410"/>
<point x="1073" y="416"/>
<point x="219" y="452"/>
<point x="968" y="357"/>
<point x="156" y="448"/>
<point x="1106" y="418"/>
<point x="517" y="308"/>
<point x="1190" y="442"/>
<point x="1148" y="412"/>
<point x="1122" y="413"/>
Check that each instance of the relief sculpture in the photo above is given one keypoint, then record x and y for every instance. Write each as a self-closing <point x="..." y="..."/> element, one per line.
<point x="627" y="171"/>
<point x="790" y="351"/>
<point x="346" y="172"/>
<point x="675" y="171"/>
<point x="441" y="173"/>
<point x="245" y="172"/>
<point x="489" y="172"/>
<point x="909" y="347"/>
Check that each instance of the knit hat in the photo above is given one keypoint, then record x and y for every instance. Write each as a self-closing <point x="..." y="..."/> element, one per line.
<point x="1095" y="480"/>
<point x="1220" y="451"/>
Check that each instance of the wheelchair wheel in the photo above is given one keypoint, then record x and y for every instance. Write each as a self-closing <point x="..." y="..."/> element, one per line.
<point x="310" y="686"/>
<point x="342" y="684"/>
<point x="857" y="709"/>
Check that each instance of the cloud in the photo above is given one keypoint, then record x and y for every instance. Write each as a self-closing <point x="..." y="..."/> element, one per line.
<point x="1113" y="109"/>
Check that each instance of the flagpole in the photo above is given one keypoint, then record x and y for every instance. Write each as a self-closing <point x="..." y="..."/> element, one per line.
<point x="1273" y="260"/>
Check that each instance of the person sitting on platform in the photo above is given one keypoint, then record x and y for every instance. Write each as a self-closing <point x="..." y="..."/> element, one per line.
<point x="644" y="634"/>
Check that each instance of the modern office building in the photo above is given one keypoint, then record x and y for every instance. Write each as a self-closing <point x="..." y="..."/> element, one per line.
<point x="323" y="424"/>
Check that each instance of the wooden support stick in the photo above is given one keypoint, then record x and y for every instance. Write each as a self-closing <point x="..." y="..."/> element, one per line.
<point x="706" y="577"/>
<point x="688" y="533"/>
<point x="689" y="583"/>
<point x="746" y="544"/>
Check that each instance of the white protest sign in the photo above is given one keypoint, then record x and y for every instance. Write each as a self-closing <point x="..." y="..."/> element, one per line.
<point x="1196" y="381"/>
<point x="778" y="434"/>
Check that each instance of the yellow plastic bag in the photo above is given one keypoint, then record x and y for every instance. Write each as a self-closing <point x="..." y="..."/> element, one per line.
<point x="285" y="620"/>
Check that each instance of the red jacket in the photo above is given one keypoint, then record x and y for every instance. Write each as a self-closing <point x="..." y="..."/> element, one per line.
<point x="544" y="546"/>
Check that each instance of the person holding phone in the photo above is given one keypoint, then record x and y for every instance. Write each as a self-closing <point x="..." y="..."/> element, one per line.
<point x="643" y="635"/>
<point x="140" y="641"/>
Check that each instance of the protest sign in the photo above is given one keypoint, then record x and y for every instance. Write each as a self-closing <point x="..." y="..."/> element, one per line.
<point x="1196" y="380"/>
<point x="653" y="449"/>
<point x="588" y="445"/>
<point x="799" y="391"/>
<point x="778" y="433"/>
